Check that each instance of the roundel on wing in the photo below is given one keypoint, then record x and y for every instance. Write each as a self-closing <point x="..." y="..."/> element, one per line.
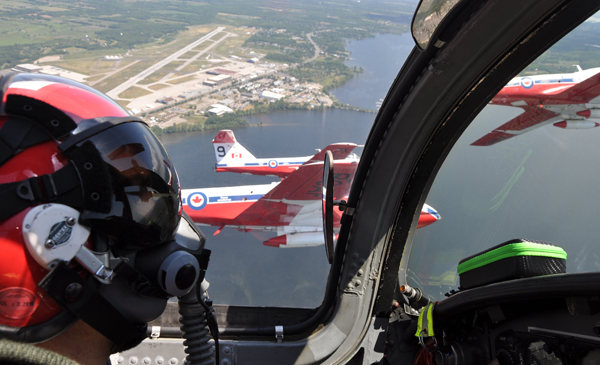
<point x="197" y="200"/>
<point x="273" y="164"/>
<point x="527" y="82"/>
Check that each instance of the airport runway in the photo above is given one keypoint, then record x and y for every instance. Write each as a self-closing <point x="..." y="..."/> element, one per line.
<point x="114" y="93"/>
<point x="216" y="43"/>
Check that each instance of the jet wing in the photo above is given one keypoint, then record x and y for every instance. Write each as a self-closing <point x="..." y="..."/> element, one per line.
<point x="532" y="101"/>
<point x="583" y="92"/>
<point x="339" y="150"/>
<point x="297" y="194"/>
<point x="555" y="94"/>
<point x="532" y="118"/>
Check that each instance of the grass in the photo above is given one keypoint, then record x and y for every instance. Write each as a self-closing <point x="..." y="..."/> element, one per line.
<point x="123" y="103"/>
<point x="195" y="66"/>
<point x="118" y="78"/>
<point x="105" y="65"/>
<point x="11" y="32"/>
<point x="78" y="54"/>
<point x="237" y="16"/>
<point x="201" y="47"/>
<point x="53" y="8"/>
<point x="183" y="39"/>
<point x="81" y="66"/>
<point x="263" y="50"/>
<point x="158" y="86"/>
<point x="173" y="65"/>
<point x="188" y="55"/>
<point x="154" y="77"/>
<point x="5" y="4"/>
<point x="195" y="119"/>
<point x="94" y="78"/>
<point x="48" y="29"/>
<point x="182" y="80"/>
<point x="133" y="92"/>
<point x="231" y="43"/>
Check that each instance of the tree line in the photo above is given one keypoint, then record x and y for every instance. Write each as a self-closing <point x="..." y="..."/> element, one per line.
<point x="214" y="122"/>
<point x="126" y="24"/>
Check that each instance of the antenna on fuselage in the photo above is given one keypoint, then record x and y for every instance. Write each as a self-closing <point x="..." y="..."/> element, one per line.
<point x="579" y="69"/>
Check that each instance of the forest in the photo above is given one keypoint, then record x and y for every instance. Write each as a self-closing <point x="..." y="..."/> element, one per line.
<point x="34" y="28"/>
<point x="214" y="122"/>
<point x="330" y="73"/>
<point x="31" y="29"/>
<point x="580" y="47"/>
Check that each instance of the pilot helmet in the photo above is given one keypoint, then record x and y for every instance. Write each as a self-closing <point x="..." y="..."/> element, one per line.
<point x="90" y="198"/>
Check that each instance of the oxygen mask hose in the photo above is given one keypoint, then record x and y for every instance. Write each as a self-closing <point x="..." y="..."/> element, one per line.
<point x="195" y="327"/>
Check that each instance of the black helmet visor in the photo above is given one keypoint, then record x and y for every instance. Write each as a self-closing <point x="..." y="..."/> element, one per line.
<point x="145" y="188"/>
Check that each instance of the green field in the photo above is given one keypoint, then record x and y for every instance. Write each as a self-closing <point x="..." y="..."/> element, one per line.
<point x="133" y="92"/>
<point x="158" y="86"/>
<point x="105" y="65"/>
<point x="188" y="55"/>
<point x="181" y="80"/>
<point x="231" y="44"/>
<point x="173" y="65"/>
<point x="193" y="118"/>
<point x="117" y="79"/>
<point x="94" y="78"/>
<point x="195" y="66"/>
<point x="31" y="29"/>
<point x="154" y="77"/>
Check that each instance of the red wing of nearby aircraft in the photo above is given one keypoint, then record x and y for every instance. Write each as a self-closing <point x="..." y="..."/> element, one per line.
<point x="567" y="101"/>
<point x="233" y="157"/>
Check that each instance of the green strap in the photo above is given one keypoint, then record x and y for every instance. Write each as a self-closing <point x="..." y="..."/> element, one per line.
<point x="15" y="353"/>
<point x="425" y="322"/>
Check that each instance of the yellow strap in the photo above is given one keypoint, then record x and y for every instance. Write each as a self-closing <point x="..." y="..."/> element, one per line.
<point x="425" y="322"/>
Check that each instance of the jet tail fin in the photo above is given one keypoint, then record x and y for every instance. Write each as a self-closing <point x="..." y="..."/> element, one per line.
<point x="228" y="151"/>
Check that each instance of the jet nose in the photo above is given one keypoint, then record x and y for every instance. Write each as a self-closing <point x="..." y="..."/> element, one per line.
<point x="428" y="216"/>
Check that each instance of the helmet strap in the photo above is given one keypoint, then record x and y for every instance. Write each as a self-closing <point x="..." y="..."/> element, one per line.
<point x="51" y="119"/>
<point x="64" y="186"/>
<point x="17" y="134"/>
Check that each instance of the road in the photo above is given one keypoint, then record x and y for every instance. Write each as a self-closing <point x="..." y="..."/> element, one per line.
<point x="317" y="49"/>
<point x="114" y="93"/>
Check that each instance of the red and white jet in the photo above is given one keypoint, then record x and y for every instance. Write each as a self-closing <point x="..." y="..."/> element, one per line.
<point x="291" y="207"/>
<point x="233" y="157"/>
<point x="568" y="101"/>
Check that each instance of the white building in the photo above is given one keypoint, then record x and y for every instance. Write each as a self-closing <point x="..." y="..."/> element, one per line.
<point x="271" y="95"/>
<point x="27" y="67"/>
<point x="217" y="80"/>
<point x="219" y="109"/>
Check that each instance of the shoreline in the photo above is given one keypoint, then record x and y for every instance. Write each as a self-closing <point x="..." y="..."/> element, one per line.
<point x="233" y="122"/>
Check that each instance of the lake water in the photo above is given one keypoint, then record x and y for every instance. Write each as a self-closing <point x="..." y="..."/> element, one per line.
<point x="242" y="271"/>
<point x="381" y="58"/>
